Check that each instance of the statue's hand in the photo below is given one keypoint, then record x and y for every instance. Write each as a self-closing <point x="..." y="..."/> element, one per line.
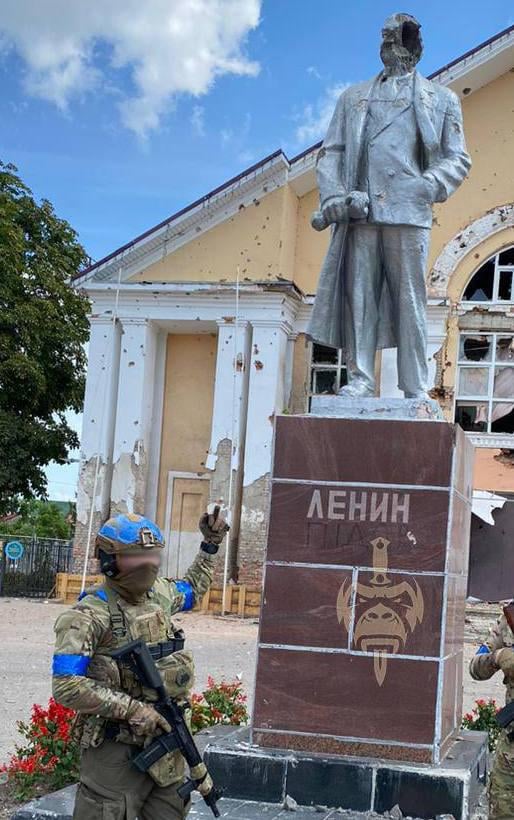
<point x="357" y="203"/>
<point x="335" y="210"/>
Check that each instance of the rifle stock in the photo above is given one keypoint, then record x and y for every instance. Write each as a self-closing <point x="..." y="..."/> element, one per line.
<point x="138" y="656"/>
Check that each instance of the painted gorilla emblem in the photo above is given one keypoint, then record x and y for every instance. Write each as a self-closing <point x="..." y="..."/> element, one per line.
<point x="380" y="615"/>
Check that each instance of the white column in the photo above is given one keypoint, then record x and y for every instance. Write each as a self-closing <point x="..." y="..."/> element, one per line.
<point x="97" y="429"/>
<point x="437" y="315"/>
<point x="230" y="390"/>
<point x="134" y="417"/>
<point x="266" y="398"/>
<point x="389" y="374"/>
<point x="266" y="395"/>
<point x="437" y="329"/>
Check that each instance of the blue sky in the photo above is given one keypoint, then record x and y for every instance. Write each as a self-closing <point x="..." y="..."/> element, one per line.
<point x="121" y="112"/>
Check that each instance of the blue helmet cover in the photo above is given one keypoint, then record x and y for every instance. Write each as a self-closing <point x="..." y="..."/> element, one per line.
<point x="133" y="530"/>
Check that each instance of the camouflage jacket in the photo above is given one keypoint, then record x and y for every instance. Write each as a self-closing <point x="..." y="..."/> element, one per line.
<point x="88" y="680"/>
<point x="483" y="664"/>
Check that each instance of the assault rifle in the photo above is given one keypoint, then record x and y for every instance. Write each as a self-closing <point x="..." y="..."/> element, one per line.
<point x="506" y="715"/>
<point x="137" y="655"/>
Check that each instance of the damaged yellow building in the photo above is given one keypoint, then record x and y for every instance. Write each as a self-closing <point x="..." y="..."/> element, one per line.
<point x="198" y="336"/>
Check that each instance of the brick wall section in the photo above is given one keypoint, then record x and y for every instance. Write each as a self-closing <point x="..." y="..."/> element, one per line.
<point x="254" y="531"/>
<point x="79" y="546"/>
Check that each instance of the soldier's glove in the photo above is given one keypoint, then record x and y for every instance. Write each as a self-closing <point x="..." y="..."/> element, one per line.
<point x="504" y="659"/>
<point x="213" y="528"/>
<point x="358" y="205"/>
<point x="143" y="719"/>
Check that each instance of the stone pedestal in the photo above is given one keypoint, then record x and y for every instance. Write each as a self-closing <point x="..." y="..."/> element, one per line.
<point x="360" y="649"/>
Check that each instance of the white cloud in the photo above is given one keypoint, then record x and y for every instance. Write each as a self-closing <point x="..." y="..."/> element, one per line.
<point x="169" y="47"/>
<point x="198" y="120"/>
<point x="315" y="117"/>
<point x="313" y="71"/>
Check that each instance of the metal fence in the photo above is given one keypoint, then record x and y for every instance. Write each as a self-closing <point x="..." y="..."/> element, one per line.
<point x="29" y="564"/>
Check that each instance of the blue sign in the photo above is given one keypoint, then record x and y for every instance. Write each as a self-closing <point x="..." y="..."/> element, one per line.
<point x="14" y="550"/>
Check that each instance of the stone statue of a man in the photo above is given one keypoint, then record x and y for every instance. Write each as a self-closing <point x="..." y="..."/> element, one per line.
<point x="395" y="146"/>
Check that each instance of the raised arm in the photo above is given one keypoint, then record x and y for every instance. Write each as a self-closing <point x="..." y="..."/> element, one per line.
<point x="485" y="662"/>
<point x="198" y="578"/>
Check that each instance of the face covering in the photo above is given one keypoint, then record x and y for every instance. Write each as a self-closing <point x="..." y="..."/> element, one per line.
<point x="134" y="583"/>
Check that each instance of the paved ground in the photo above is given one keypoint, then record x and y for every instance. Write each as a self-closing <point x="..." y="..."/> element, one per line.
<point x="60" y="807"/>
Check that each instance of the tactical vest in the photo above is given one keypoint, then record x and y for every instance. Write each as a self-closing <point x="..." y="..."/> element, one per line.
<point x="128" y="622"/>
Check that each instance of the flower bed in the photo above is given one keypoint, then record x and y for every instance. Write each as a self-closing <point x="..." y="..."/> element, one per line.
<point x="482" y="718"/>
<point x="49" y="758"/>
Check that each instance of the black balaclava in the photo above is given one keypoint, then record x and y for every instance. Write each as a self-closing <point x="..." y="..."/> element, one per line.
<point x="402" y="46"/>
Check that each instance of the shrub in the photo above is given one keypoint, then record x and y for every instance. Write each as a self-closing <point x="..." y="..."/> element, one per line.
<point x="221" y="703"/>
<point x="482" y="718"/>
<point x="50" y="757"/>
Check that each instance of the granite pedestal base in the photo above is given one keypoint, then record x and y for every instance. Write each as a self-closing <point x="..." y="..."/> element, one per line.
<point x="247" y="772"/>
<point x="360" y="646"/>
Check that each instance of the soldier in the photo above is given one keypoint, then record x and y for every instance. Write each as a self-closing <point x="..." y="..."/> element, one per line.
<point x="498" y="653"/>
<point x="115" y="713"/>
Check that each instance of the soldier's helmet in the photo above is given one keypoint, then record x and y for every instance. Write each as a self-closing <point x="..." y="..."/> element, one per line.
<point x="128" y="533"/>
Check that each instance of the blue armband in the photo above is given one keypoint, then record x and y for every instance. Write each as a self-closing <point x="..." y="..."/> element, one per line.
<point x="185" y="589"/>
<point x="100" y="593"/>
<point x="483" y="650"/>
<point x="70" y="665"/>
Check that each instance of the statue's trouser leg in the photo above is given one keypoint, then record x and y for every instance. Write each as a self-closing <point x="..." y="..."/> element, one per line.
<point x="362" y="287"/>
<point x="405" y="251"/>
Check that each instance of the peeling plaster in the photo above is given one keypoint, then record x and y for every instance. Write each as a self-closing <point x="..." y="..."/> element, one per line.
<point x="129" y="481"/>
<point x="222" y="428"/>
<point x="85" y="490"/>
<point x="464" y="242"/>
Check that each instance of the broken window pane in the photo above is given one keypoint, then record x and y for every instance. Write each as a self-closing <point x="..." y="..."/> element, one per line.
<point x="324" y="355"/>
<point x="472" y="416"/>
<point x="502" y="417"/>
<point x="504" y="349"/>
<point x="505" y="286"/>
<point x="324" y="381"/>
<point x="473" y="381"/>
<point x="507" y="257"/>
<point x="503" y="383"/>
<point x="475" y="348"/>
<point x="343" y="377"/>
<point x="480" y="288"/>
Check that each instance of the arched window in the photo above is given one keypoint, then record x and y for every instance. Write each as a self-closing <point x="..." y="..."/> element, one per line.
<point x="485" y="379"/>
<point x="493" y="280"/>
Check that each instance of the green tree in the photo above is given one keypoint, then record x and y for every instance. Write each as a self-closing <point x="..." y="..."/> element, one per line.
<point x="42" y="518"/>
<point x="43" y="329"/>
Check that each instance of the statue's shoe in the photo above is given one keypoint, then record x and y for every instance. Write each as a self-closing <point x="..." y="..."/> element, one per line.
<point x="356" y="390"/>
<point x="420" y="395"/>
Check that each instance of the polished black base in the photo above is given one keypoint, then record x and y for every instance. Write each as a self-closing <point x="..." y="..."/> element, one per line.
<point x="247" y="772"/>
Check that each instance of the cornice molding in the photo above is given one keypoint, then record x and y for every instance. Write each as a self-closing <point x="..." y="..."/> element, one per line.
<point x="493" y="441"/>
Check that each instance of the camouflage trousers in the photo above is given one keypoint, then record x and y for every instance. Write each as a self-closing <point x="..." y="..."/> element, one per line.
<point x="501" y="784"/>
<point x="111" y="788"/>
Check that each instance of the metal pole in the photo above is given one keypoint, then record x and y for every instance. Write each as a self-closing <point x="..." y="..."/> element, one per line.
<point x="233" y="448"/>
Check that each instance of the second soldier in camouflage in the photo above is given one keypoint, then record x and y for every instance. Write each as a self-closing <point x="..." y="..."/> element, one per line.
<point x="495" y="654"/>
